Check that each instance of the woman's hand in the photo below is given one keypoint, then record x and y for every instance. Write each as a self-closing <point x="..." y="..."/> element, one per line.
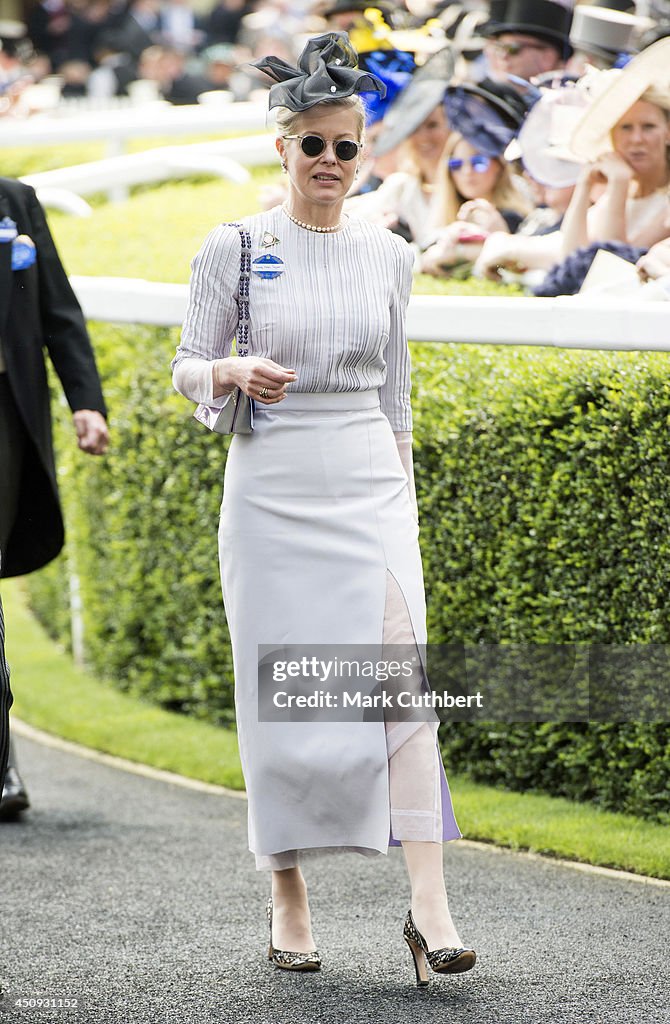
<point x="261" y="379"/>
<point x="656" y="263"/>
<point x="482" y="213"/>
<point x="500" y="252"/>
<point x="609" y="169"/>
<point x="451" y="249"/>
<point x="438" y="257"/>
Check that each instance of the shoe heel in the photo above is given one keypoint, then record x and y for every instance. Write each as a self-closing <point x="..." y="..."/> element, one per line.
<point x="419" y="963"/>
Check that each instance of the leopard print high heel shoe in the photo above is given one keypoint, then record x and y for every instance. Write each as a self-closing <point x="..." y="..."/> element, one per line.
<point x="448" y="960"/>
<point x="291" y="961"/>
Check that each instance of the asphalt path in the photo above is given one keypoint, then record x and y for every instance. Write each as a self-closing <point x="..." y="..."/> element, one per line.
<point x="138" y="899"/>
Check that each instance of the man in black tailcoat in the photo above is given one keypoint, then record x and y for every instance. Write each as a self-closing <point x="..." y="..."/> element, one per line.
<point x="38" y="310"/>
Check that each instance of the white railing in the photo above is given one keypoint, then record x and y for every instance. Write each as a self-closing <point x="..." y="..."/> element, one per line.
<point x="64" y="187"/>
<point x="116" y="126"/>
<point x="231" y="157"/>
<point x="565" y="322"/>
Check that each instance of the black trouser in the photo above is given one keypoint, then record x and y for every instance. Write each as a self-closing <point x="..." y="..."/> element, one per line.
<point x="5" y="703"/>
<point x="13" y="441"/>
<point x="12" y="448"/>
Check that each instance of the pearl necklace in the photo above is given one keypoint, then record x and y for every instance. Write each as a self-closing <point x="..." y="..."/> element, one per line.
<point x="311" y="227"/>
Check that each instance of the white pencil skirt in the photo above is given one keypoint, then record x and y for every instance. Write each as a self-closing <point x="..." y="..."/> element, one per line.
<point x="318" y="545"/>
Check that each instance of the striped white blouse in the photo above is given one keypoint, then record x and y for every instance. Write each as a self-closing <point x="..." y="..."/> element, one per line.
<point x="334" y="312"/>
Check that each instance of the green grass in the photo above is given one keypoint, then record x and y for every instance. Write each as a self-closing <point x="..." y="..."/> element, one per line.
<point x="561" y="828"/>
<point x="52" y="694"/>
<point x="156" y="232"/>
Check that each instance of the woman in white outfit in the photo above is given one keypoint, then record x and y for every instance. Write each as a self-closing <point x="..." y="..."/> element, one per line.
<point x="318" y="539"/>
<point x="624" y="135"/>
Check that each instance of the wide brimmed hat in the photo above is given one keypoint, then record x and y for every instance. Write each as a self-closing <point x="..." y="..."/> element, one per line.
<point x="392" y="67"/>
<point x="545" y="19"/>
<point x="543" y="142"/>
<point x="651" y="68"/>
<point x="489" y="114"/>
<point x="416" y="102"/>
<point x="604" y="32"/>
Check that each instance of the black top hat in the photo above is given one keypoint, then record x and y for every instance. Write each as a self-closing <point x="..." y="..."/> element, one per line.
<point x="386" y="7"/>
<point x="626" y="6"/>
<point x="542" y="18"/>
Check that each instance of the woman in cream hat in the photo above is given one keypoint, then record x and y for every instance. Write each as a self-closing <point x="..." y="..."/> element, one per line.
<point x="624" y="139"/>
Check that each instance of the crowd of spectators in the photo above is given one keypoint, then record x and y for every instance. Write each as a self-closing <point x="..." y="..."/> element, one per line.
<point x="100" y="48"/>
<point x="515" y="133"/>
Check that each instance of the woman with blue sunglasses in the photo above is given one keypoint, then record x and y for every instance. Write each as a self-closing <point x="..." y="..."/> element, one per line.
<point x="477" y="195"/>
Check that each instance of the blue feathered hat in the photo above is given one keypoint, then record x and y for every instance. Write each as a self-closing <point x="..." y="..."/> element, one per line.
<point x="392" y="67"/>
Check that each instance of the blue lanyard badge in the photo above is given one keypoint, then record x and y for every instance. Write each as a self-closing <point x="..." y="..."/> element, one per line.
<point x="24" y="253"/>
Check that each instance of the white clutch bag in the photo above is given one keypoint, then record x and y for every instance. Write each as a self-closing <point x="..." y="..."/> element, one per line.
<point x="236" y="416"/>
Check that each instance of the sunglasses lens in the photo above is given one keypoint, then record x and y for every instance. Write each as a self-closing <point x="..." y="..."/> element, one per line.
<point x="480" y="163"/>
<point x="312" y="145"/>
<point x="346" y="150"/>
<point x="508" y="49"/>
<point x="454" y="164"/>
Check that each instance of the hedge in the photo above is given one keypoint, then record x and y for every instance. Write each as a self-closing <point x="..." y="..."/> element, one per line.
<point x="544" y="490"/>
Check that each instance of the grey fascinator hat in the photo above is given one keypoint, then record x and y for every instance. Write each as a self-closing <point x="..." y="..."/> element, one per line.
<point x="327" y="70"/>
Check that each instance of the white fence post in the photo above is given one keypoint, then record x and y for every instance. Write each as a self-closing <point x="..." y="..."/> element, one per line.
<point x="76" y="618"/>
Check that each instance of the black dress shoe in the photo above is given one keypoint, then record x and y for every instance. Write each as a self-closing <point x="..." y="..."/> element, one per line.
<point x="14" y="797"/>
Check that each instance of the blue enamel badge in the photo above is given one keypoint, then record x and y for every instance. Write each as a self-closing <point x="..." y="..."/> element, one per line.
<point x="268" y="266"/>
<point x="23" y="252"/>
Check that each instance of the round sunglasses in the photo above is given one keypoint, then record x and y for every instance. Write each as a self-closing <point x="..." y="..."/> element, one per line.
<point x="479" y="162"/>
<point x="314" y="145"/>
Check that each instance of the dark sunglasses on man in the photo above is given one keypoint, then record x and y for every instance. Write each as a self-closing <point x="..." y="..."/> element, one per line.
<point x="314" y="145"/>
<point x="514" y="49"/>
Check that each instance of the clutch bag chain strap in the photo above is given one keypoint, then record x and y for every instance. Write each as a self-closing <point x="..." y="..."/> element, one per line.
<point x="243" y="326"/>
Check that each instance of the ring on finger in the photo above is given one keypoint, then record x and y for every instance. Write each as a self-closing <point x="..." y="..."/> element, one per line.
<point x="263" y="393"/>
